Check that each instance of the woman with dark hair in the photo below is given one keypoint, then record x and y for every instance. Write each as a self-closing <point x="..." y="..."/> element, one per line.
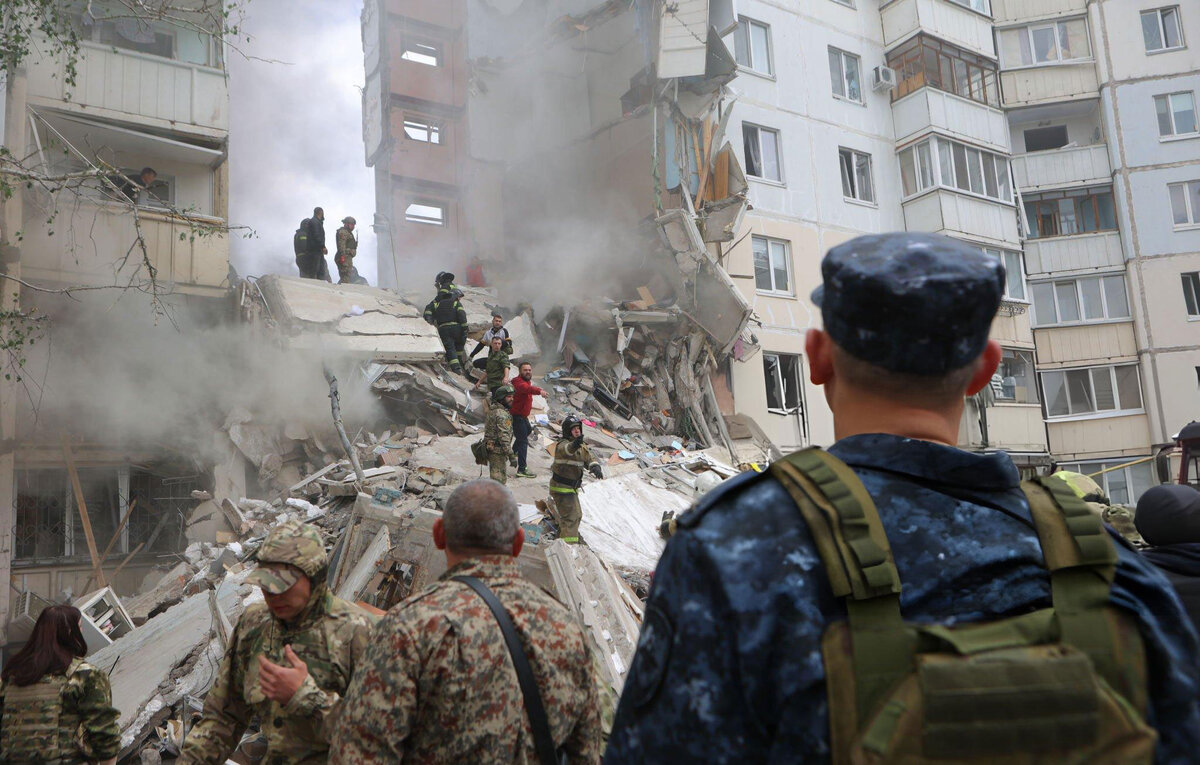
<point x="55" y="707"/>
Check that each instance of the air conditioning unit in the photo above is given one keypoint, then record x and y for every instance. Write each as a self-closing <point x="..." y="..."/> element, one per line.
<point x="25" y="612"/>
<point x="883" y="78"/>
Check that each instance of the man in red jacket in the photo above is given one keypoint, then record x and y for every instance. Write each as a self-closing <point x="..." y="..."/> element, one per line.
<point x="522" y="403"/>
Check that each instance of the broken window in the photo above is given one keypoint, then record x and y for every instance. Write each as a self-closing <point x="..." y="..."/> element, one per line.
<point x="1063" y="213"/>
<point x="772" y="265"/>
<point x="856" y="175"/>
<point x="844" y="71"/>
<point x="1191" y="293"/>
<point x="114" y="27"/>
<point x="422" y="129"/>
<point x="1017" y="385"/>
<point x="752" y="43"/>
<point x="782" y="373"/>
<point x="427" y="53"/>
<point x="761" y="146"/>
<point x="1046" y="138"/>
<point x="41" y="514"/>
<point x="1092" y="390"/>
<point x="429" y="213"/>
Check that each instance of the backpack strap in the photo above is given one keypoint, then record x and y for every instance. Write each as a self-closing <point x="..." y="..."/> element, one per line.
<point x="854" y="549"/>
<point x="1082" y="562"/>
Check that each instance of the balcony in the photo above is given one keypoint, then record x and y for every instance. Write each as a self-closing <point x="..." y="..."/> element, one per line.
<point x="1085" y="344"/>
<point x="106" y="233"/>
<point x="943" y="19"/>
<point x="928" y="109"/>
<point x="1082" y="253"/>
<point x="962" y="215"/>
<point x="1077" y="166"/>
<point x="1015" y="11"/>
<point x="1101" y="437"/>
<point x="127" y="86"/>
<point x="1012" y="427"/>
<point x="1031" y="86"/>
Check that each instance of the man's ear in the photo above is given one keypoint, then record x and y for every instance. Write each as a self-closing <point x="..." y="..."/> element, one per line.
<point x="989" y="360"/>
<point x="818" y="346"/>
<point x="439" y="534"/>
<point x="518" y="541"/>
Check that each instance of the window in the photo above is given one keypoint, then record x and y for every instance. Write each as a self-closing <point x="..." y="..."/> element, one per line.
<point x="847" y="3"/>
<point x="421" y="129"/>
<point x="113" y="26"/>
<point x="1176" y="114"/>
<point x="1160" y="29"/>
<point x="1046" y="138"/>
<point x="422" y="211"/>
<point x="856" y="175"/>
<point x="772" y="265"/>
<point x="940" y="162"/>
<point x="1079" y="211"/>
<point x="752" y="43"/>
<point x="1070" y="301"/>
<point x="1185" y="203"/>
<point x="427" y="53"/>
<point x="1046" y="43"/>
<point x="1094" y="390"/>
<point x="1123" y="486"/>
<point x="1016" y="384"/>
<point x="976" y="5"/>
<point x="761" y="147"/>
<point x="844" y="72"/>
<point x="927" y="61"/>
<point x="1014" y="271"/>
<point x="782" y="374"/>
<point x="1191" y="293"/>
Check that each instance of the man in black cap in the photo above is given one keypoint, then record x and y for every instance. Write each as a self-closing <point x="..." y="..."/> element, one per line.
<point x="1168" y="518"/>
<point x="730" y="664"/>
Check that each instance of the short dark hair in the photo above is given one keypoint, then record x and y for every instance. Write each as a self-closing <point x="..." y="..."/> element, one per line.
<point x="318" y="210"/>
<point x="481" y="515"/>
<point x="55" y="642"/>
<point x="918" y="390"/>
<point x="149" y="170"/>
<point x="524" y="364"/>
<point x="497" y="315"/>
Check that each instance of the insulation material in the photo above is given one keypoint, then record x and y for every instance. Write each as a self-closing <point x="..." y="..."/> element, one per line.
<point x="621" y="517"/>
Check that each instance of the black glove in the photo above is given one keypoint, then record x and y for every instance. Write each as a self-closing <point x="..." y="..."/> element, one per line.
<point x="595" y="468"/>
<point x="577" y="442"/>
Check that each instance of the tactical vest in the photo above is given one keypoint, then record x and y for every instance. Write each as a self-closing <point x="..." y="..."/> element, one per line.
<point x="1062" y="684"/>
<point x="445" y="310"/>
<point x="567" y="471"/>
<point x="33" y="719"/>
<point x="300" y="238"/>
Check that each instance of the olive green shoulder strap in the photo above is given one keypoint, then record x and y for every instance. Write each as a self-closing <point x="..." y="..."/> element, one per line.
<point x="854" y="549"/>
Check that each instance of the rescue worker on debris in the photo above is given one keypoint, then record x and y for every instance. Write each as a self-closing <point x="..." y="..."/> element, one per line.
<point x="496" y="330"/>
<point x="523" y="392"/>
<point x="315" y="261"/>
<point x="571" y="458"/>
<point x="447" y="314"/>
<point x="54" y="706"/>
<point x="437" y="684"/>
<point x="495" y="373"/>
<point x="289" y="659"/>
<point x="910" y="537"/>
<point x="498" y="434"/>
<point x="347" y="248"/>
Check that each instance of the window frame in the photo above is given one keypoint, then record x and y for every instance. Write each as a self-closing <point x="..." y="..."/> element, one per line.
<point x="1078" y="291"/>
<point x="410" y="44"/>
<point x="92" y="34"/>
<point x="1191" y="294"/>
<point x="778" y="152"/>
<point x="1001" y="170"/>
<point x="844" y="95"/>
<point x="849" y="176"/>
<point x="1005" y="256"/>
<point x="1094" y="413"/>
<point x="1162" y="30"/>
<point x="737" y="36"/>
<point x="774" y="289"/>
<point x="1052" y="199"/>
<point x="1193" y="214"/>
<point x="1031" y="388"/>
<point x="431" y="127"/>
<point x="801" y="405"/>
<point x="911" y="61"/>
<point x="421" y="220"/>
<point x="1168" y="99"/>
<point x="970" y="6"/>
<point x="1028" y="44"/>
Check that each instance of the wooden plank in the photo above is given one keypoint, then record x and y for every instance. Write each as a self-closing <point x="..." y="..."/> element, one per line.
<point x="83" y="513"/>
<point x="116" y="535"/>
<point x="128" y="558"/>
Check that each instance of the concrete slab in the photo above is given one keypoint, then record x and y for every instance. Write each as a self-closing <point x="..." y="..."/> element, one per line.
<point x="621" y="517"/>
<point x="292" y="299"/>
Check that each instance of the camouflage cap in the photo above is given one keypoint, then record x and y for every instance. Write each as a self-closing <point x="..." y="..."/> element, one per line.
<point x="296" y="543"/>
<point x="275" y="578"/>
<point x="349" y="219"/>
<point x="910" y="302"/>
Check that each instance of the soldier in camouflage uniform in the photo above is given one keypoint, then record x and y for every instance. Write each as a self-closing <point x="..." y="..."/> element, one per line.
<point x="347" y="248"/>
<point x="437" y="684"/>
<point x="289" y="660"/>
<point x="571" y="458"/>
<point x="498" y="434"/>
<point x="54" y="713"/>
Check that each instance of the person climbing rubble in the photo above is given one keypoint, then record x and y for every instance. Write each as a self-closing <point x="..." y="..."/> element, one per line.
<point x="447" y="314"/>
<point x="498" y="434"/>
<point x="289" y="659"/>
<point x="496" y="330"/>
<point x="571" y="458"/>
<point x="496" y="372"/>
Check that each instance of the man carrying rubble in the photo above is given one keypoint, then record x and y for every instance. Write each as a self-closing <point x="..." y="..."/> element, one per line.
<point x="498" y="434"/>
<point x="447" y="314"/>
<point x="571" y="458"/>
<point x="289" y="660"/>
<point x="437" y="684"/>
<point x="891" y="600"/>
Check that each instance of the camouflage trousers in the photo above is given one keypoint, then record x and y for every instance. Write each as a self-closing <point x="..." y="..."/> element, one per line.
<point x="345" y="267"/>
<point x="498" y="467"/>
<point x="570" y="514"/>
